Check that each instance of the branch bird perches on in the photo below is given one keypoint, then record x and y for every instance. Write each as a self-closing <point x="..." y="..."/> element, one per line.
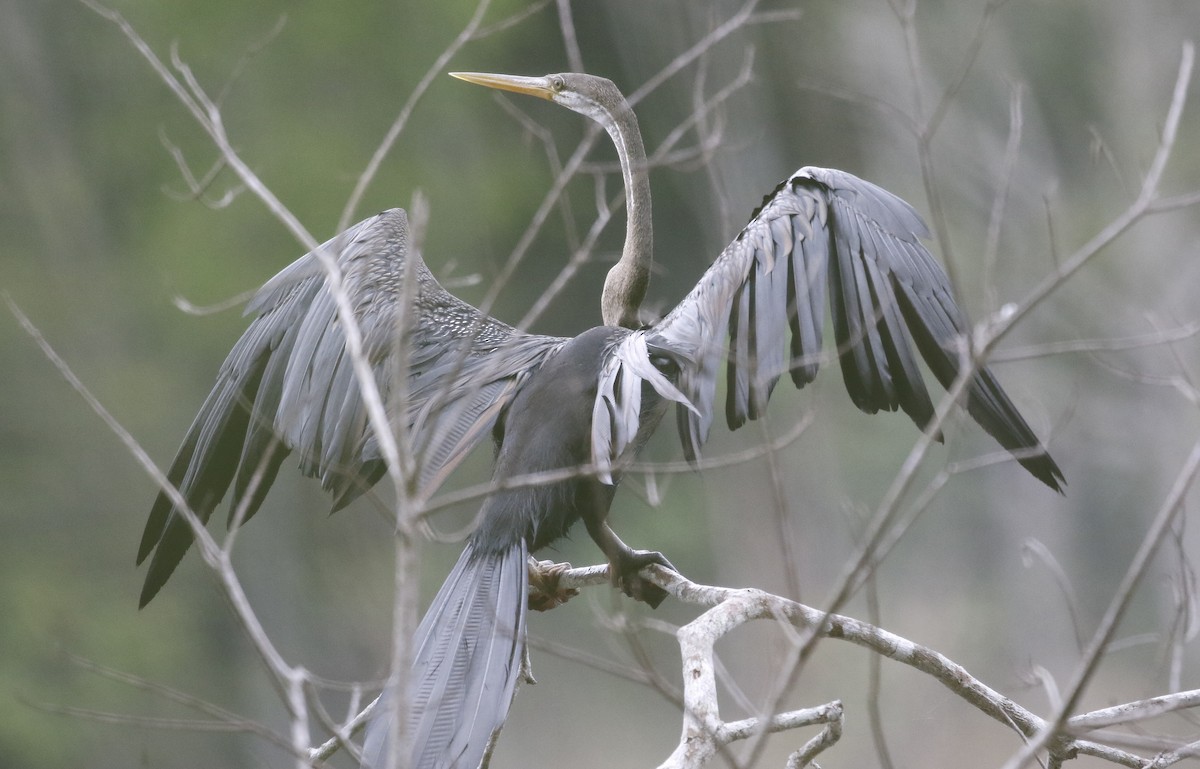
<point x="552" y="403"/>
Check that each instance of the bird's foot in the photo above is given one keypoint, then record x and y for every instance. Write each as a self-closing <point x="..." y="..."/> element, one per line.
<point x="625" y="574"/>
<point x="544" y="592"/>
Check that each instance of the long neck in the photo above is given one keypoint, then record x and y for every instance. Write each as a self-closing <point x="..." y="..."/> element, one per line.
<point x="625" y="286"/>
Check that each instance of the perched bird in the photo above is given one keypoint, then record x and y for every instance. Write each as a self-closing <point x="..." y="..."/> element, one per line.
<point x="550" y="403"/>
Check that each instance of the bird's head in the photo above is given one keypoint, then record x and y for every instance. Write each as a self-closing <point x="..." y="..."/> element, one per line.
<point x="599" y="99"/>
<point x="588" y="95"/>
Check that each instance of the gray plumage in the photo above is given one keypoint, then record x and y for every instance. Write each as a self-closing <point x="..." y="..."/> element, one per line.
<point x="551" y="403"/>
<point x="470" y="644"/>
<point x="820" y="232"/>
<point x="467" y="655"/>
<point x="288" y="385"/>
<point x="826" y="231"/>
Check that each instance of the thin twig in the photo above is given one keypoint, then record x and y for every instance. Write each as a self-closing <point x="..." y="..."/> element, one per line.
<point x="566" y="25"/>
<point x="393" y="133"/>
<point x="1094" y="652"/>
<point x="282" y="676"/>
<point x="991" y="243"/>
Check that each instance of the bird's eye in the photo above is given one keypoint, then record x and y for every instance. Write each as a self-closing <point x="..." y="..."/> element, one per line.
<point x="665" y="364"/>
<point x="557" y="83"/>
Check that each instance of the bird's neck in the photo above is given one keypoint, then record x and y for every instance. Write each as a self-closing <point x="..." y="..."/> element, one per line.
<point x="625" y="286"/>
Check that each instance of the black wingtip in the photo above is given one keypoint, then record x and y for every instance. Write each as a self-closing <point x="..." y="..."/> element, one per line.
<point x="148" y="594"/>
<point x="1042" y="467"/>
<point x="169" y="550"/>
<point x="157" y="521"/>
<point x="152" y="537"/>
<point x="154" y="582"/>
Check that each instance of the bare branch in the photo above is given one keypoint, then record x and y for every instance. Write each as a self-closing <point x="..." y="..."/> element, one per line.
<point x="991" y="246"/>
<point x="251" y="52"/>
<point x="1142" y="206"/>
<point x="197" y="187"/>
<point x="1116" y="610"/>
<point x="186" y="306"/>
<point x="1153" y="339"/>
<point x="1133" y="711"/>
<point x="1035" y="550"/>
<point x="393" y="133"/>
<point x="729" y="608"/>
<point x="566" y="23"/>
<point x="208" y="116"/>
<point x="284" y="677"/>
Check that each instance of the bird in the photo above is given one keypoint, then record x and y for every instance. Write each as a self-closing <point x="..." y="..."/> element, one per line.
<point x="587" y="403"/>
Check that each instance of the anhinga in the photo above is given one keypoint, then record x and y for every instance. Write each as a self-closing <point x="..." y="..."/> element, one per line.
<point x="552" y="403"/>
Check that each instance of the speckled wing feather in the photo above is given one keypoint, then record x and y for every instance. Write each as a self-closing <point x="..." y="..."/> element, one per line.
<point x="289" y="385"/>
<point x="825" y="232"/>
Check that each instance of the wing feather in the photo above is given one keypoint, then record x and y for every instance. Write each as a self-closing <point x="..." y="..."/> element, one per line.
<point x="740" y="369"/>
<point x="807" y="300"/>
<point x="289" y="384"/>
<point x="857" y="243"/>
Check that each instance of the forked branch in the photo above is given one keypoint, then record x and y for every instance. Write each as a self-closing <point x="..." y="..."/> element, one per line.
<point x="704" y="734"/>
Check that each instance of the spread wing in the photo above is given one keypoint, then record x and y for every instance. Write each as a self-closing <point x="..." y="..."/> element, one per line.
<point x="288" y="385"/>
<point x="825" y="232"/>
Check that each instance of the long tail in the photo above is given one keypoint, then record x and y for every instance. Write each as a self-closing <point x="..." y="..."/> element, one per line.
<point x="466" y="659"/>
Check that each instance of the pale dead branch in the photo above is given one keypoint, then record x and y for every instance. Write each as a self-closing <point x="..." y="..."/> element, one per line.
<point x="729" y="608"/>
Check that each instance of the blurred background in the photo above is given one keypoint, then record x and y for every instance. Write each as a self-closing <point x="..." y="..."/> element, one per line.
<point x="103" y="244"/>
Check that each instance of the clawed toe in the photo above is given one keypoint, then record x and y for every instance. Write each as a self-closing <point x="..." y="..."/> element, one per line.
<point x="544" y="591"/>
<point x="626" y="575"/>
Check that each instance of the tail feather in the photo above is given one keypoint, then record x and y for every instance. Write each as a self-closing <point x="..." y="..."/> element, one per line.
<point x="466" y="659"/>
